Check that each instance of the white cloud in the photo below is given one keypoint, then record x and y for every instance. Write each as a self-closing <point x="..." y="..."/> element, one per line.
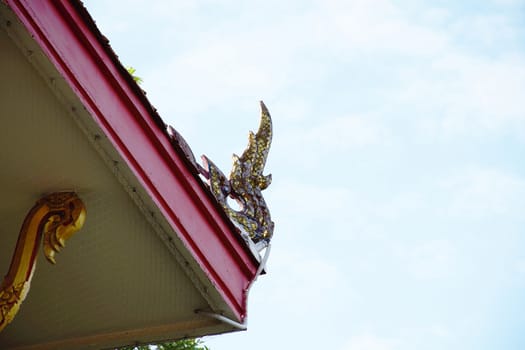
<point x="345" y="214"/>
<point x="306" y="282"/>
<point x="485" y="31"/>
<point x="485" y="193"/>
<point x="335" y="211"/>
<point x="211" y="75"/>
<point x="325" y="143"/>
<point x="343" y="133"/>
<point x="440" y="331"/>
<point x="484" y="94"/>
<point x="520" y="266"/>
<point x="306" y="199"/>
<point x="465" y="95"/>
<point x="370" y="342"/>
<point x="508" y="2"/>
<point x="266" y="59"/>
<point x="365" y="31"/>
<point x="473" y="83"/>
<point x="430" y="259"/>
<point x="402" y="205"/>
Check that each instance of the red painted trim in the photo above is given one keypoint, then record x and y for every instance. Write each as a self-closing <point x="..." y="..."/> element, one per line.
<point x="67" y="37"/>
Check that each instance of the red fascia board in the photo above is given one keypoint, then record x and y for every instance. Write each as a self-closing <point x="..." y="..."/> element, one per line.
<point x="96" y="77"/>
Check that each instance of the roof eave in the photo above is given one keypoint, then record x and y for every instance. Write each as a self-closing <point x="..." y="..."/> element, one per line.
<point x="67" y="35"/>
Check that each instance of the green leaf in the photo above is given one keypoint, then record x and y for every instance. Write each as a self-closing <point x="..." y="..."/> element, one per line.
<point x="137" y="79"/>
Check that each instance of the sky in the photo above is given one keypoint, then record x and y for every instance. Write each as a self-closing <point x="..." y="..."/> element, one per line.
<point x="397" y="159"/>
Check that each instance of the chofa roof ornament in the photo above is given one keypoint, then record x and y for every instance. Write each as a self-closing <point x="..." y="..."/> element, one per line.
<point x="246" y="183"/>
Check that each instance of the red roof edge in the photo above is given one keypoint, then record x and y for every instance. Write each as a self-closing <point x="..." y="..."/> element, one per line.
<point x="69" y="37"/>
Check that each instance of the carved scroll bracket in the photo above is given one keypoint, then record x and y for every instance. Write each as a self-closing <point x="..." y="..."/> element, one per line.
<point x="56" y="217"/>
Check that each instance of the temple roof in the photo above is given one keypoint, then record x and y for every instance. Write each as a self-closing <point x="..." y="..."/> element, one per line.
<point x="80" y="122"/>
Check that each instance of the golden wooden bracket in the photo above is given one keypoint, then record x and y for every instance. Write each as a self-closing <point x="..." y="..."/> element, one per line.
<point x="57" y="217"/>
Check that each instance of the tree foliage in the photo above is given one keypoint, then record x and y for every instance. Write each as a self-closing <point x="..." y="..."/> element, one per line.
<point x="183" y="344"/>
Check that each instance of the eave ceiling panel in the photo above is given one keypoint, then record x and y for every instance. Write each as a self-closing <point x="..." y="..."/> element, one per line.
<point x="113" y="275"/>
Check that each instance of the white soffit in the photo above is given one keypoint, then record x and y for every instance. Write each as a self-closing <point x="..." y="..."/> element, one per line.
<point x="125" y="275"/>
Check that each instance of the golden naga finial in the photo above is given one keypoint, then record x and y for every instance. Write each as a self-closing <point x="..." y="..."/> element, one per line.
<point x="56" y="217"/>
<point x="246" y="183"/>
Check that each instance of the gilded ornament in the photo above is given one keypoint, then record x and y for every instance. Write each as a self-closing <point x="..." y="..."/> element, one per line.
<point x="56" y="217"/>
<point x="246" y="182"/>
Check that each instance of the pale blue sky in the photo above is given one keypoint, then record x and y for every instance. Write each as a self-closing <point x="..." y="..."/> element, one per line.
<point x="399" y="181"/>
